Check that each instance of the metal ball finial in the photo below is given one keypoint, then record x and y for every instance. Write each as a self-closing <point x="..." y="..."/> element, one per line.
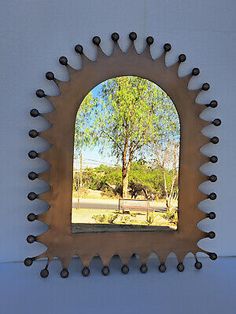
<point x="31" y="217"/>
<point x="198" y="265"/>
<point x="115" y="36"/>
<point x="31" y="239"/>
<point x="79" y="49"/>
<point x="143" y="268"/>
<point x="212" y="196"/>
<point x="213" y="159"/>
<point x="40" y="93"/>
<point x="32" y="154"/>
<point x="205" y="86"/>
<point x="32" y="175"/>
<point x="182" y="57"/>
<point x="132" y="36"/>
<point x="32" y="196"/>
<point x="105" y="271"/>
<point x="211" y="215"/>
<point x="63" y="60"/>
<point x="149" y="40"/>
<point x="49" y="76"/>
<point x="125" y="269"/>
<point x="212" y="104"/>
<point x="162" y="267"/>
<point x="211" y="235"/>
<point x="167" y="47"/>
<point x="64" y="273"/>
<point x="85" y="271"/>
<point x="195" y="71"/>
<point x="216" y="122"/>
<point x="214" y="140"/>
<point x="44" y="273"/>
<point x="213" y="256"/>
<point x="96" y="40"/>
<point x="28" y="261"/>
<point x="180" y="267"/>
<point x="213" y="178"/>
<point x="33" y="133"/>
<point x="34" y="113"/>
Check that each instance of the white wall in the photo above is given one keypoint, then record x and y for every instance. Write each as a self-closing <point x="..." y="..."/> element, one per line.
<point x="33" y="34"/>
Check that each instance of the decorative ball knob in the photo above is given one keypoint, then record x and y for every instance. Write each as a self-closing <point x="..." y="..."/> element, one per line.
<point x="149" y="40"/>
<point x="85" y="271"/>
<point x="211" y="215"/>
<point x="32" y="196"/>
<point x="198" y="265"/>
<point x="162" y="267"/>
<point x="212" y="104"/>
<point x="212" y="196"/>
<point x="213" y="159"/>
<point x="34" y="113"/>
<point x="143" y="268"/>
<point x="63" y="60"/>
<point x="205" y="86"/>
<point x="40" y="93"/>
<point x="180" y="267"/>
<point x="125" y="269"/>
<point x="195" y="71"/>
<point x="182" y="57"/>
<point x="79" y="49"/>
<point x="44" y="273"/>
<point x="31" y="217"/>
<point x="105" y="271"/>
<point x="64" y="273"/>
<point x="96" y="40"/>
<point x="115" y="36"/>
<point x="28" y="261"/>
<point x="216" y="122"/>
<point x="33" y="133"/>
<point x="214" y="140"/>
<point x="213" y="256"/>
<point x="49" y="76"/>
<point x="211" y="234"/>
<point x="32" y="175"/>
<point x="132" y="36"/>
<point x="31" y="239"/>
<point x="167" y="47"/>
<point x="213" y="178"/>
<point x="32" y="154"/>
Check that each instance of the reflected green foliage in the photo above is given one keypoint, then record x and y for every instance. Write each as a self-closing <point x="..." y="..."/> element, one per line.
<point x="135" y="119"/>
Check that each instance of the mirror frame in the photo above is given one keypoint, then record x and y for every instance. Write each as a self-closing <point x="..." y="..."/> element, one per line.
<point x="59" y="239"/>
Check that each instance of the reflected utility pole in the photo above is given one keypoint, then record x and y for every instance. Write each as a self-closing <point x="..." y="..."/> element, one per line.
<point x="80" y="170"/>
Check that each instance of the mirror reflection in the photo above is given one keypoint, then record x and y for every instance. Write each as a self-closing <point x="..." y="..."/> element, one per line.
<point x="126" y="158"/>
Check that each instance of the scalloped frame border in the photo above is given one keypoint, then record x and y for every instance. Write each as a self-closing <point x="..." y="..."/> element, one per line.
<point x="59" y="239"/>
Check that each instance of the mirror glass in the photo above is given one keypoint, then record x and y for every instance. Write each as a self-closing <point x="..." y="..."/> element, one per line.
<point x="126" y="158"/>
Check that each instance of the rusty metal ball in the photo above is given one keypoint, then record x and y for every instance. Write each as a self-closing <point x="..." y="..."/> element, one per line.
<point x="195" y="71"/>
<point x="132" y="36"/>
<point x="49" y="76"/>
<point x="167" y="47"/>
<point x="182" y="57"/>
<point x="63" y="60"/>
<point x="115" y="36"/>
<point x="31" y="217"/>
<point x="149" y="40"/>
<point x="40" y="93"/>
<point x="79" y="49"/>
<point x="96" y="40"/>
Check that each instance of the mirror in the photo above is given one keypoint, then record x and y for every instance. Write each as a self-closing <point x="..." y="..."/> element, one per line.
<point x="126" y="158"/>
